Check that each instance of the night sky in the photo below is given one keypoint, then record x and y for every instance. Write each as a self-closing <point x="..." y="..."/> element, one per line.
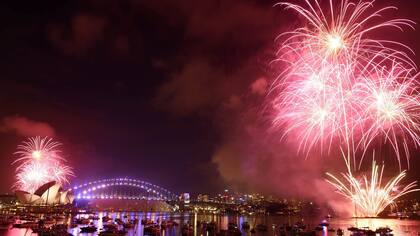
<point x="169" y="91"/>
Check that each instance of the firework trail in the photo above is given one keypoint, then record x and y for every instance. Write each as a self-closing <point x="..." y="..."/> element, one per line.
<point x="341" y="86"/>
<point x="370" y="194"/>
<point x="39" y="161"/>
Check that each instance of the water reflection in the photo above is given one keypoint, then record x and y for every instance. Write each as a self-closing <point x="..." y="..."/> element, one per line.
<point x="400" y="227"/>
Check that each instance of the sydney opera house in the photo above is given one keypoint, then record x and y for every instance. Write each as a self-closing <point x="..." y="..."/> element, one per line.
<point x="48" y="194"/>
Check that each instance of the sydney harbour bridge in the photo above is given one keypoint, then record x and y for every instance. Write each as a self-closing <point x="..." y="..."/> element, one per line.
<point x="121" y="188"/>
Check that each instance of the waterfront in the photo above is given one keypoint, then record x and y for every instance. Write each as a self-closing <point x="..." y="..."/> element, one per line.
<point x="400" y="227"/>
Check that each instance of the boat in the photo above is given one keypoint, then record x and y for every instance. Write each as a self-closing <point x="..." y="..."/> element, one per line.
<point x="119" y="221"/>
<point x="232" y="226"/>
<point x="187" y="229"/>
<point x="88" y="229"/>
<point x="369" y="232"/>
<point x="82" y="221"/>
<point x="305" y="233"/>
<point x="112" y="233"/>
<point x="364" y="231"/>
<point x="209" y="226"/>
<point x="297" y="225"/>
<point x="110" y="226"/>
<point x="352" y="229"/>
<point x="29" y="224"/>
<point x="151" y="230"/>
<point x="324" y="223"/>
<point x="128" y="225"/>
<point x="234" y="232"/>
<point x="383" y="231"/>
<point x="55" y="230"/>
<point x="245" y="226"/>
<point x="261" y="227"/>
<point x="93" y="217"/>
<point x="319" y="228"/>
<point x="168" y="224"/>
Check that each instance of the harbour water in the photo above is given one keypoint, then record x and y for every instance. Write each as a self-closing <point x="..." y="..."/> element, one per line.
<point x="273" y="222"/>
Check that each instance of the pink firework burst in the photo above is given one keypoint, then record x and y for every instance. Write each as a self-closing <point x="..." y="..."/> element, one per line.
<point x="40" y="162"/>
<point x="340" y="86"/>
<point x="391" y="102"/>
<point x="340" y="34"/>
<point x="39" y="149"/>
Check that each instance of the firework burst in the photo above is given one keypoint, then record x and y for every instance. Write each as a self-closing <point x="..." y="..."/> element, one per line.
<point x="391" y="103"/>
<point x="343" y="87"/>
<point x="340" y="86"/>
<point x="39" y="161"/>
<point x="370" y="194"/>
<point x="316" y="104"/>
<point x="38" y="149"/>
<point x="339" y="34"/>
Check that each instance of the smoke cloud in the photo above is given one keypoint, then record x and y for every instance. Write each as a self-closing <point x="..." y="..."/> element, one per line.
<point x="232" y="95"/>
<point x="252" y="158"/>
<point x="23" y="126"/>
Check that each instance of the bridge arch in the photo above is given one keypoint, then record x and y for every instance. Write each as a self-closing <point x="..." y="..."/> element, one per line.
<point x="122" y="188"/>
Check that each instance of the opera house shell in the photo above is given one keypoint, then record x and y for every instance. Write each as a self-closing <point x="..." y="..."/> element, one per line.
<point x="48" y="194"/>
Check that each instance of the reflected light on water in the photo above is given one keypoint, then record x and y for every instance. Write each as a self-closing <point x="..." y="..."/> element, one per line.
<point x="400" y="227"/>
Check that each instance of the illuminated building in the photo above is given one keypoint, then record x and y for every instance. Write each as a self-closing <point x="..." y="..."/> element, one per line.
<point x="48" y="194"/>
